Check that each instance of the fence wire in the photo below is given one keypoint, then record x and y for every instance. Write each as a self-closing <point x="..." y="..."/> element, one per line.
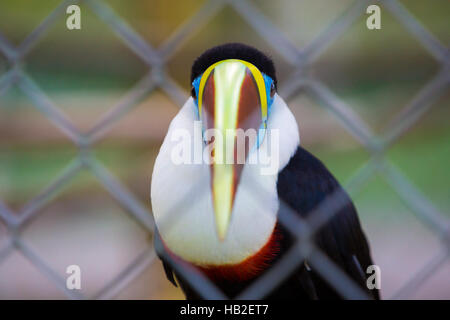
<point x="156" y="78"/>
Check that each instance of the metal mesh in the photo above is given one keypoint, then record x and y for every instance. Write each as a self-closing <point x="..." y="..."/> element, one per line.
<point x="157" y="78"/>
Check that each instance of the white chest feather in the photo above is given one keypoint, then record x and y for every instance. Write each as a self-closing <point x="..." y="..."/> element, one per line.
<point x="182" y="202"/>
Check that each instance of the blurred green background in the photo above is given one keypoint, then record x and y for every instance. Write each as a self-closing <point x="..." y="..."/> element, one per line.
<point x="86" y="72"/>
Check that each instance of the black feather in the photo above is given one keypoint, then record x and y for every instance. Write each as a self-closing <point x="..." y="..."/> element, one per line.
<point x="233" y="51"/>
<point x="304" y="184"/>
<point x="161" y="253"/>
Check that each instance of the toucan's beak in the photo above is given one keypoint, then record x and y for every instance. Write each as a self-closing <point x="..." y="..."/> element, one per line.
<point x="231" y="100"/>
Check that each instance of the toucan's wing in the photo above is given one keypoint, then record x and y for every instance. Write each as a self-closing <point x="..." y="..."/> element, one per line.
<point x="304" y="184"/>
<point x="161" y="252"/>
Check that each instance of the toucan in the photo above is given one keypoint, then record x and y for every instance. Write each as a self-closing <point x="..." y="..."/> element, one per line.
<point x="222" y="218"/>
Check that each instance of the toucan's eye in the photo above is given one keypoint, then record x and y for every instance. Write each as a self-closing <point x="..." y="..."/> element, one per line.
<point x="193" y="94"/>
<point x="272" y="90"/>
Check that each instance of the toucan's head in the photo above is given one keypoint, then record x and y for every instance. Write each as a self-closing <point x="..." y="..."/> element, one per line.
<point x="233" y="87"/>
<point x="223" y="211"/>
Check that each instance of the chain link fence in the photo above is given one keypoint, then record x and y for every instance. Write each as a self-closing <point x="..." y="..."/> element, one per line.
<point x="158" y="79"/>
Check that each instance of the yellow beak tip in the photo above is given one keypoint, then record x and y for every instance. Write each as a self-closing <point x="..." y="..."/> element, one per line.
<point x="222" y="231"/>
